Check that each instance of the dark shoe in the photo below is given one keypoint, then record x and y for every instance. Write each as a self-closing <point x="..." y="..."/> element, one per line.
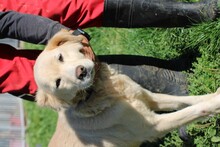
<point x="155" y="79"/>
<point x="158" y="13"/>
<point x="156" y="75"/>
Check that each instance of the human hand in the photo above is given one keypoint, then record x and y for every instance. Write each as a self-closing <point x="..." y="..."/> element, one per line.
<point x="87" y="49"/>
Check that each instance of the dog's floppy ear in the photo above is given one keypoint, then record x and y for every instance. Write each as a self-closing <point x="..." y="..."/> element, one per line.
<point x="60" y="38"/>
<point x="46" y="100"/>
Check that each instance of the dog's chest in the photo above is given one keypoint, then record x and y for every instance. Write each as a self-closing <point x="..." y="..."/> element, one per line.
<point x="116" y="124"/>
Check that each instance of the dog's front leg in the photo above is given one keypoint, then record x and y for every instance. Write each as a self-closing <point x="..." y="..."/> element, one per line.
<point x="167" y="122"/>
<point x="165" y="102"/>
<point x="156" y="101"/>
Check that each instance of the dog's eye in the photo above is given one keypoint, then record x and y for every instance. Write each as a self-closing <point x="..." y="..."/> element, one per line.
<point x="82" y="51"/>
<point x="58" y="83"/>
<point x="60" y="57"/>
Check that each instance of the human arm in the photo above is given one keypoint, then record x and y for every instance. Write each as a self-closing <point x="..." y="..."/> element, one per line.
<point x="26" y="27"/>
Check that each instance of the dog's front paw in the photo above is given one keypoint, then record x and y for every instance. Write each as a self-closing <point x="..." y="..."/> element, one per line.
<point x="218" y="91"/>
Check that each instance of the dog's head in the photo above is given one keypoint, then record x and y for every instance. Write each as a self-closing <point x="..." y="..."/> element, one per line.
<point x="62" y="70"/>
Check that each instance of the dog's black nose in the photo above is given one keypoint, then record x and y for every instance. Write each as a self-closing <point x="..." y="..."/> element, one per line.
<point x="81" y="72"/>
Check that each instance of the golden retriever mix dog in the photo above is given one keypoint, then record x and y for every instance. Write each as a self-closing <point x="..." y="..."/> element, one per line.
<point x="99" y="107"/>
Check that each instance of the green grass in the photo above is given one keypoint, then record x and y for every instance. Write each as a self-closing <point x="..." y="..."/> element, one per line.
<point x="41" y="124"/>
<point x="160" y="43"/>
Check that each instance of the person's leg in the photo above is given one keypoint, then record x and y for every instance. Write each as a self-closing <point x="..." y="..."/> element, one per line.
<point x="156" y="75"/>
<point x="158" y="13"/>
<point x="16" y="70"/>
<point x="118" y="13"/>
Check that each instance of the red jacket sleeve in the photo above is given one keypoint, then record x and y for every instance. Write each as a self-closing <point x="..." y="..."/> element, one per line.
<point x="71" y="13"/>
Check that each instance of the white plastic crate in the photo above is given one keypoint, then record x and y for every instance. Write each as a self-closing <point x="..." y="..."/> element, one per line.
<point x="12" y="125"/>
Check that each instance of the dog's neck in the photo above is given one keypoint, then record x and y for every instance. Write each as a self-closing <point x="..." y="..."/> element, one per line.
<point x="86" y="97"/>
<point x="89" y="92"/>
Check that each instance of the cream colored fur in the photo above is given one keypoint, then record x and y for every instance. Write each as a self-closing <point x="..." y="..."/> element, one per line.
<point x="118" y="112"/>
